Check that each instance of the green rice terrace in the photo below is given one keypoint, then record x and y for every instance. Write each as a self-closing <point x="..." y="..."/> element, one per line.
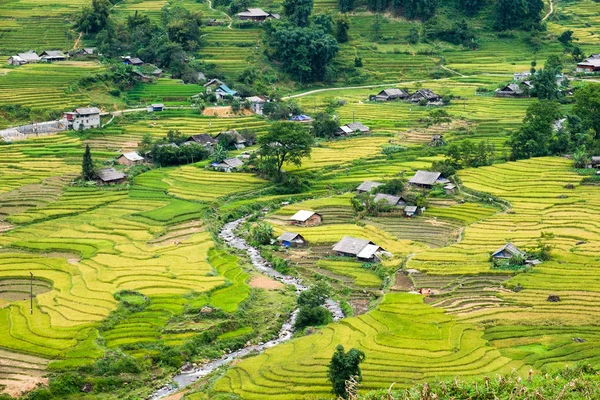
<point x="205" y="199"/>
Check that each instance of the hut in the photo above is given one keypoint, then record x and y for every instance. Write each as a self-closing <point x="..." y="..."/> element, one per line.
<point x="363" y="250"/>
<point x="510" y="90"/>
<point x="257" y="104"/>
<point x="29" y="57"/>
<point x="131" y="158"/>
<point x="425" y="179"/>
<point x="595" y="162"/>
<point x="367" y="187"/>
<point x="52" y="56"/>
<point x="395" y="201"/>
<point x="507" y="251"/>
<point x="228" y="165"/>
<point x="450" y="188"/>
<point x="135" y="61"/>
<point x="424" y="94"/>
<point x="410" y="211"/>
<point x="202" y="139"/>
<point x="306" y="218"/>
<point x="158" y="107"/>
<point x="238" y="140"/>
<point x="256" y="15"/>
<point x="391" y="94"/>
<point x="353" y="127"/>
<point x="291" y="239"/>
<point x="111" y="175"/>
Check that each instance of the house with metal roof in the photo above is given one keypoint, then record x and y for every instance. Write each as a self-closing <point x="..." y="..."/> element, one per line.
<point x="83" y="118"/>
<point x="388" y="199"/>
<point x="256" y="15"/>
<point x="257" y="103"/>
<point x="351" y="128"/>
<point x="228" y="165"/>
<point x="203" y="139"/>
<point x="135" y="61"/>
<point x="590" y="64"/>
<point x="291" y="239"/>
<point x="52" y="56"/>
<point x="130" y="158"/>
<point x="424" y="94"/>
<point x="364" y="250"/>
<point x="238" y="140"/>
<point x="425" y="179"/>
<point x="391" y="94"/>
<point x="111" y="175"/>
<point x="29" y="57"/>
<point x="508" y="251"/>
<point x="306" y="218"/>
<point x="224" y="91"/>
<point x="367" y="186"/>
<point x="510" y="90"/>
<point x="410" y="211"/>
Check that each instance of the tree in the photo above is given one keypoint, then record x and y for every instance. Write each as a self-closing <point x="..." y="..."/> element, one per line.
<point x="324" y="125"/>
<point x="342" y="367"/>
<point x="342" y="25"/>
<point x="285" y="142"/>
<point x="87" y="165"/>
<point x="471" y="7"/>
<point x="345" y="5"/>
<point x="581" y="159"/>
<point x="566" y="37"/>
<point x="94" y="19"/>
<point x="298" y="11"/>
<point x="587" y="108"/>
<point x="534" y="136"/>
<point x="315" y="296"/>
<point x="544" y="85"/>
<point x="146" y="144"/>
<point x="393" y="187"/>
<point x="220" y="153"/>
<point x="413" y="35"/>
<point x="260" y="234"/>
<point x="322" y="21"/>
<point x="312" y="316"/>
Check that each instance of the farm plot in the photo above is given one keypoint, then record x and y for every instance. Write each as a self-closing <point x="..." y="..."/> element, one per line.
<point x="404" y="341"/>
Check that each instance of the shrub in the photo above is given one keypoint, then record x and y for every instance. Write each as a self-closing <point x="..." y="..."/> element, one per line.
<point x="312" y="316"/>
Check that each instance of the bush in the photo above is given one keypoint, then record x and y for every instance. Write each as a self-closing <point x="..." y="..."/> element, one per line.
<point x="312" y="316"/>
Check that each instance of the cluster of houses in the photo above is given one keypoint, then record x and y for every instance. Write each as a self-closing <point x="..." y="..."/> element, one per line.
<point x="589" y="65"/>
<point x="419" y="96"/>
<point x="522" y="84"/>
<point x="31" y="57"/>
<point x="222" y="91"/>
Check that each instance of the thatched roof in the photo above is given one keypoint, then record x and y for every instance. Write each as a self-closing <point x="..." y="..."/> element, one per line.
<point x="110" y="175"/>
<point x="367" y="186"/>
<point x="388" y="198"/>
<point x="509" y="248"/>
<point x="425" y="178"/>
<point x="351" y="245"/>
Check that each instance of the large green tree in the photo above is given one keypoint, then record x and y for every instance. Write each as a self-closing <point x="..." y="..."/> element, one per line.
<point x="344" y="366"/>
<point x="511" y="14"/>
<point x="285" y="142"/>
<point x="587" y="107"/>
<point x="535" y="135"/>
<point x="298" y="11"/>
<point x="93" y="19"/>
<point x="87" y="165"/>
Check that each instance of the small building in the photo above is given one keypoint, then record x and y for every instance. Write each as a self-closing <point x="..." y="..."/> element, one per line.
<point x="306" y="218"/>
<point x="257" y="104"/>
<point x="367" y="187"/>
<point x="228" y="165"/>
<point x="256" y="15"/>
<point x="29" y="57"/>
<point x="83" y="118"/>
<point x="53" y="56"/>
<point x="351" y="128"/>
<point x="301" y="118"/>
<point x="224" y="91"/>
<point x="425" y="179"/>
<point x="508" y="251"/>
<point x="590" y="64"/>
<point x="450" y="188"/>
<point x="239" y="141"/>
<point x="135" y="61"/>
<point x="394" y="201"/>
<point x="212" y="85"/>
<point x="16" y="60"/>
<point x="158" y="107"/>
<point x="510" y="90"/>
<point x="291" y="239"/>
<point x="410" y="211"/>
<point x="203" y="139"/>
<point x="364" y="250"/>
<point x="521" y="76"/>
<point x="424" y="94"/>
<point x="157" y="73"/>
<point x="131" y="158"/>
<point x="391" y="94"/>
<point x="111" y="175"/>
<point x="595" y="162"/>
<point x="86" y="51"/>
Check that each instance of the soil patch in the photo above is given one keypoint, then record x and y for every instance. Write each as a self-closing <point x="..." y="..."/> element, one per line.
<point x="402" y="283"/>
<point x="16" y="388"/>
<point x="224" y="112"/>
<point x="360" y="306"/>
<point x="264" y="282"/>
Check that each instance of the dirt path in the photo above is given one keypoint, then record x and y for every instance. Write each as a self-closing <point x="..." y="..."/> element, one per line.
<point x="549" y="12"/>
<point x="225" y="14"/>
<point x="77" y="41"/>
<point x="453" y="71"/>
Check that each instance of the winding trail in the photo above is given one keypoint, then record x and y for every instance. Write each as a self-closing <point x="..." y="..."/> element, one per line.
<point x="549" y="12"/>
<point x="229" y="236"/>
<point x="224" y="13"/>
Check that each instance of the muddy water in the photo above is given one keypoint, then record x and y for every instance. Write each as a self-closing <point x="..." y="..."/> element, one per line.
<point x="229" y="236"/>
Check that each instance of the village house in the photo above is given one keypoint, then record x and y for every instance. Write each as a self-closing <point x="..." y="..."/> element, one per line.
<point x="595" y="162"/>
<point x="157" y="107"/>
<point x="52" y="56"/>
<point x="29" y="57"/>
<point x="301" y="118"/>
<point x="111" y="175"/>
<point x="590" y="64"/>
<point x="228" y="165"/>
<point x="424" y="94"/>
<point x="239" y="141"/>
<point x="425" y="179"/>
<point x="157" y="73"/>
<point x="131" y="158"/>
<point x="83" y="118"/>
<point x="257" y="104"/>
<point x="508" y="251"/>
<point x="212" y="85"/>
<point x="367" y="187"/>
<point x="224" y="91"/>
<point x="391" y="94"/>
<point x="256" y="15"/>
<point x="521" y="76"/>
<point x="306" y="218"/>
<point x="450" y="188"/>
<point x="510" y="90"/>
<point x="135" y="61"/>
<point x="410" y="211"/>
<point x="351" y="128"/>
<point x="394" y="201"/>
<point x="203" y="139"/>
<point x="363" y="250"/>
<point x="86" y="51"/>
<point x="291" y="239"/>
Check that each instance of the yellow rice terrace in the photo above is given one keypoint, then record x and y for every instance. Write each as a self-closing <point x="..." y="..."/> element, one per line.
<point x="210" y="200"/>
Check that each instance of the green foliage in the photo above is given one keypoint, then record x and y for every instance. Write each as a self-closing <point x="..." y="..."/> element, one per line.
<point x="544" y="85"/>
<point x="393" y="186"/>
<point x="511" y="14"/>
<point x="439" y="28"/>
<point x="165" y="155"/>
<point x="534" y="136"/>
<point x="220" y="153"/>
<point x="115" y="363"/>
<point x="298" y="11"/>
<point x="345" y="6"/>
<point x="342" y="26"/>
<point x="413" y="35"/>
<point x="324" y="125"/>
<point x="312" y="316"/>
<point x="587" y="108"/>
<point x="468" y="154"/>
<point x="93" y="19"/>
<point x="315" y="296"/>
<point x="284" y="142"/>
<point x="87" y="165"/>
<point x="344" y="366"/>
<point x="471" y="7"/>
<point x="260" y="233"/>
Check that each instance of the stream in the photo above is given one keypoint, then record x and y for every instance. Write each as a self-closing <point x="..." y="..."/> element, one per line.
<point x="229" y="236"/>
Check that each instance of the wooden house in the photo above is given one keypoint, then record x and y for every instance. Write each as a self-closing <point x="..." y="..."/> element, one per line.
<point x="306" y="218"/>
<point x="212" y="85"/>
<point x="135" y="61"/>
<point x="450" y="188"/>
<point x="391" y="94"/>
<point x="291" y="239"/>
<point x="29" y="57"/>
<point x="363" y="250"/>
<point x="111" y="175"/>
<point x="202" y="139"/>
<point x="256" y="15"/>
<point x="238" y="140"/>
<point x="410" y="211"/>
<point x="367" y="187"/>
<point x="508" y="251"/>
<point x="52" y="56"/>
<point x="590" y="64"/>
<point x="424" y="94"/>
<point x="425" y="179"/>
<point x="510" y="90"/>
<point x="228" y="165"/>
<point x="131" y="158"/>
<point x="388" y="199"/>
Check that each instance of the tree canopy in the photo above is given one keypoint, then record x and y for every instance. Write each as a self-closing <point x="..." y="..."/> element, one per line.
<point x="285" y="142"/>
<point x="534" y="137"/>
<point x="342" y="367"/>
